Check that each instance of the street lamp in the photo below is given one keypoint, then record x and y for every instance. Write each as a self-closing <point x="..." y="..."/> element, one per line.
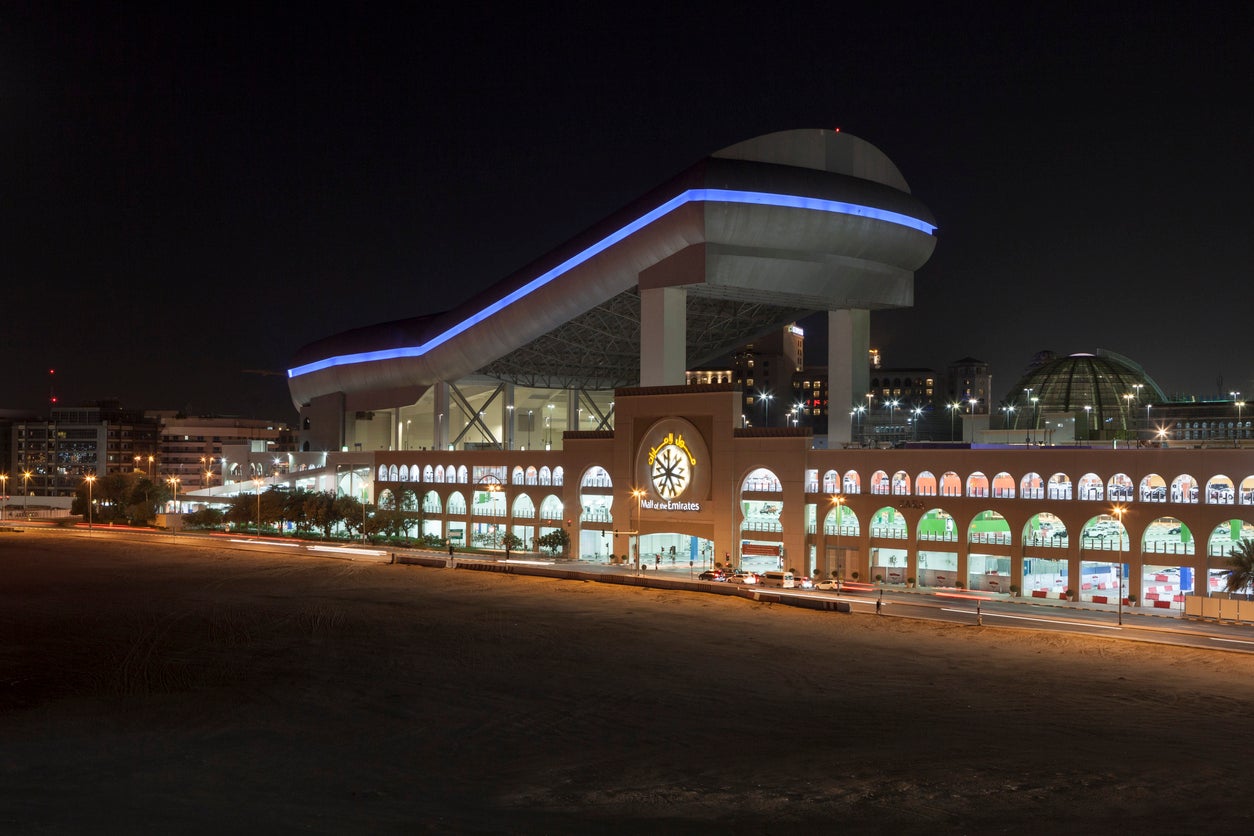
<point x="766" y="408"/>
<point x="529" y="422"/>
<point x="4" y="492"/>
<point x="891" y="406"/>
<point x="638" y="494"/>
<point x="174" y="484"/>
<point x="953" y="410"/>
<point x="257" y="483"/>
<point x="90" y="481"/>
<point x="1118" y="512"/>
<point x="26" y="474"/>
<point x="1088" y="423"/>
<point x="839" y="501"/>
<point x="1034" y="402"/>
<point x="918" y="410"/>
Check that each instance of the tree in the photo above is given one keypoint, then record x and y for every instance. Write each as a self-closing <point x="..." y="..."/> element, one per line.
<point x="555" y="541"/>
<point x="207" y="517"/>
<point x="319" y="511"/>
<point x="350" y="512"/>
<point x="1241" y="559"/>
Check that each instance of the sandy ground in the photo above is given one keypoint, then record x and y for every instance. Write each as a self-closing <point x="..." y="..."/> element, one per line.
<point x="167" y="689"/>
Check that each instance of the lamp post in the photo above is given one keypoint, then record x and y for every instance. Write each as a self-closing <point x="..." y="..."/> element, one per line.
<point x="26" y="474"/>
<point x="257" y="483"/>
<point x="1035" y="400"/>
<point x="1240" y="405"/>
<point x="1118" y="512"/>
<point x="4" y="492"/>
<point x="174" y="484"/>
<point x="766" y="408"/>
<point x="638" y="494"/>
<point x="90" y="480"/>
<point x="953" y="411"/>
<point x="918" y="410"/>
<point x="150" y="461"/>
<point x="1088" y="423"/>
<point x="839" y="501"/>
<point x="509" y="430"/>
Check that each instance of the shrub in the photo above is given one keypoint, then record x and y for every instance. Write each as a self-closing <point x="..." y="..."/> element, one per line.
<point x="1014" y="589"/>
<point x="879" y="578"/>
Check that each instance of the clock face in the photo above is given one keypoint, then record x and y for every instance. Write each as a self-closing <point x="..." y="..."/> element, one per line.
<point x="671" y="472"/>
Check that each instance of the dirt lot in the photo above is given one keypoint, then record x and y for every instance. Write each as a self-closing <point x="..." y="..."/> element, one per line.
<point x="161" y="688"/>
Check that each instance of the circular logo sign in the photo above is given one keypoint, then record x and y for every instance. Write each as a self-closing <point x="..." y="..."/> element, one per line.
<point x="671" y="470"/>
<point x="673" y="463"/>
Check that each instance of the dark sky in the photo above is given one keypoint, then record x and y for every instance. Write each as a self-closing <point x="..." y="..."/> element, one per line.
<point x="186" y="196"/>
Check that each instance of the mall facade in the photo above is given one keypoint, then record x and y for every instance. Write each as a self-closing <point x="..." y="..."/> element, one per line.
<point x="557" y="399"/>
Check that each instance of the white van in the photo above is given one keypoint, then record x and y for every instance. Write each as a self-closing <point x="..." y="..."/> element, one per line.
<point x="780" y="579"/>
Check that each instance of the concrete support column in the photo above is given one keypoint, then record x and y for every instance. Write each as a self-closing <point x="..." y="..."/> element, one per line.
<point x="507" y="417"/>
<point x="1016" y="565"/>
<point x="964" y="571"/>
<point x="440" y="416"/>
<point x="1136" y="572"/>
<point x="663" y="336"/>
<point x="572" y="410"/>
<point x="398" y="431"/>
<point x="1074" y="578"/>
<point x="848" y="370"/>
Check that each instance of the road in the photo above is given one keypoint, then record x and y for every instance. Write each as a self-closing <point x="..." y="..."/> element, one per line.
<point x="946" y="606"/>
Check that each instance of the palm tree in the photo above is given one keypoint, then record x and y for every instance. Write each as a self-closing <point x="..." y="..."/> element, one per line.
<point x="1241" y="559"/>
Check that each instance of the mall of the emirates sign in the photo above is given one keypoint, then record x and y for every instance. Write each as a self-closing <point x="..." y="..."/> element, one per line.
<point x="674" y="463"/>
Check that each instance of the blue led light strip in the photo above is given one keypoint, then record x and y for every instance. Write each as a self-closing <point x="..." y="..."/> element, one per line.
<point x="691" y="196"/>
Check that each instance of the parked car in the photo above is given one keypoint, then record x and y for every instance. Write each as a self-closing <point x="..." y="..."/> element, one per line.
<point x="1221" y="493"/>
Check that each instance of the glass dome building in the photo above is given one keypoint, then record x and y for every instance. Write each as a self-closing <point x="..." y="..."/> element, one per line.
<point x="1103" y="390"/>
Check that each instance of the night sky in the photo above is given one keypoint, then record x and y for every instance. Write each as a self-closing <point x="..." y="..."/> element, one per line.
<point x="188" y="198"/>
